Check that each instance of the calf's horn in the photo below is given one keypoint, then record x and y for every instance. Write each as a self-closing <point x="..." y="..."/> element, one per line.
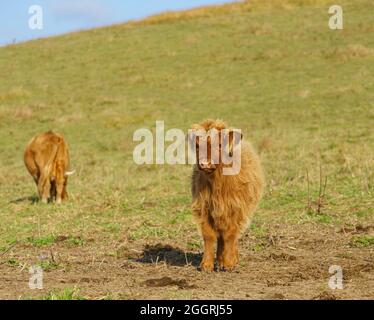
<point x="69" y="173"/>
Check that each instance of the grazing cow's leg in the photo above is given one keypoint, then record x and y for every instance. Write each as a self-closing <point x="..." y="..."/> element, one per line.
<point x="60" y="190"/>
<point x="210" y="239"/>
<point x="60" y="181"/>
<point x="44" y="188"/>
<point x="53" y="190"/>
<point x="40" y="188"/>
<point x="36" y="179"/>
<point x="230" y="249"/>
<point x="64" y="191"/>
<point x="61" y="193"/>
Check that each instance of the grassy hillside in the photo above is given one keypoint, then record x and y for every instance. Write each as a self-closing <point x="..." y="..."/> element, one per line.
<point x="303" y="94"/>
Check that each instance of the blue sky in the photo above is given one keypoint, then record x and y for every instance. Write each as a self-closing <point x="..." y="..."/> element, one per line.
<point x="62" y="16"/>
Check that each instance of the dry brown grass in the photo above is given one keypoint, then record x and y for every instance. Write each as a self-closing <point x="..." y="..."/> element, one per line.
<point x="16" y="113"/>
<point x="351" y="51"/>
<point x="14" y="93"/>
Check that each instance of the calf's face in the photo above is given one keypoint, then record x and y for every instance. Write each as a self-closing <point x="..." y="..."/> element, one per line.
<point x="207" y="154"/>
<point x="213" y="149"/>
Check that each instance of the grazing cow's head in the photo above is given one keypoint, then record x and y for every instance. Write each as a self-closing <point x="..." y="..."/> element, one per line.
<point x="213" y="144"/>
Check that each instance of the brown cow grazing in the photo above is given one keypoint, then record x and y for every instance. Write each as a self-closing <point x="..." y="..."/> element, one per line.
<point x="223" y="204"/>
<point x="47" y="159"/>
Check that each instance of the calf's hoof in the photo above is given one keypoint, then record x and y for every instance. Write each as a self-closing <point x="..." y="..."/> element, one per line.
<point x="227" y="266"/>
<point x="207" y="266"/>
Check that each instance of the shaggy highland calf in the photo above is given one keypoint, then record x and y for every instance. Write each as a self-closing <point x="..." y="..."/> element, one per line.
<point x="47" y="159"/>
<point x="223" y="204"/>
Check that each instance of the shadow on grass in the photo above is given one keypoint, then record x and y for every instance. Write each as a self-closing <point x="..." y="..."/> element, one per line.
<point x="31" y="199"/>
<point x="170" y="255"/>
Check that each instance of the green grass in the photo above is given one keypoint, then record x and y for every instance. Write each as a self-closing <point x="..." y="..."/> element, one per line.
<point x="74" y="241"/>
<point x="48" y="265"/>
<point x="41" y="241"/>
<point x="12" y="262"/>
<point x="258" y="230"/>
<point x="324" y="218"/>
<point x="65" y="294"/>
<point x="60" y="294"/>
<point x="258" y="247"/>
<point x="363" y="241"/>
<point x="303" y="94"/>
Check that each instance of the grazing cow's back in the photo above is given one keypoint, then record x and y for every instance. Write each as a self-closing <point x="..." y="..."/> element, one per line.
<point x="47" y="159"/>
<point x="224" y="204"/>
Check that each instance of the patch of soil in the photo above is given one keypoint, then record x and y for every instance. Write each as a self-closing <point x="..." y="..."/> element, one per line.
<point x="356" y="270"/>
<point x="61" y="238"/>
<point x="282" y="257"/>
<point x="359" y="229"/>
<point x="276" y="296"/>
<point x="325" y="296"/>
<point x="296" y="268"/>
<point x="167" y="281"/>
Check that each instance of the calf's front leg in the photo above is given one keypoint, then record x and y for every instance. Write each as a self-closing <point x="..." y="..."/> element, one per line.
<point x="210" y="239"/>
<point x="230" y="255"/>
<point x="220" y="244"/>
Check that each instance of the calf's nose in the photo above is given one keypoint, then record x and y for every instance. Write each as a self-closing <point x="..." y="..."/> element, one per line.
<point x="204" y="164"/>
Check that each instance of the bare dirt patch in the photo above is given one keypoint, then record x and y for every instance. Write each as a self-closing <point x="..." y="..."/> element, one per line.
<point x="162" y="271"/>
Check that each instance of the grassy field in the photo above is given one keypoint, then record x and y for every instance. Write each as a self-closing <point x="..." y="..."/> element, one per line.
<point x="302" y="93"/>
